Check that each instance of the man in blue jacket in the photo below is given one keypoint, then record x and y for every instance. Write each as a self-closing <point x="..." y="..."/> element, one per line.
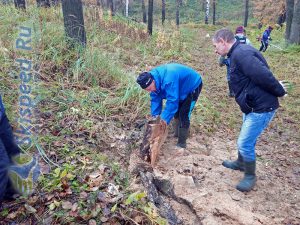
<point x="180" y="85"/>
<point x="8" y="149"/>
<point x="265" y="39"/>
<point x="256" y="92"/>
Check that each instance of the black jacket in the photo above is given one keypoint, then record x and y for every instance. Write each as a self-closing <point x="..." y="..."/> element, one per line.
<point x="255" y="87"/>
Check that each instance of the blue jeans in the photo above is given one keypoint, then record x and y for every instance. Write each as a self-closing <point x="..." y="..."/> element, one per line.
<point x="253" y="125"/>
<point x="8" y="148"/>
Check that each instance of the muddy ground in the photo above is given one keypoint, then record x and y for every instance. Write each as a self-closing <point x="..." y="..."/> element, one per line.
<point x="199" y="178"/>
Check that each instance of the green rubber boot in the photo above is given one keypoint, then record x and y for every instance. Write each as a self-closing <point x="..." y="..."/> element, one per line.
<point x="249" y="180"/>
<point x="235" y="165"/>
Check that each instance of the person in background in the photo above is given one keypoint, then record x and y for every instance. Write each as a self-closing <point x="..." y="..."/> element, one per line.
<point x="240" y="35"/>
<point x="180" y="86"/>
<point x="266" y="37"/>
<point x="256" y="92"/>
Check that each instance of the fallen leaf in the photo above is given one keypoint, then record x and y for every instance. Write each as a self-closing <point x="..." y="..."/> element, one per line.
<point x="66" y="205"/>
<point x="30" y="209"/>
<point x="83" y="195"/>
<point x="74" y="207"/>
<point x="92" y="222"/>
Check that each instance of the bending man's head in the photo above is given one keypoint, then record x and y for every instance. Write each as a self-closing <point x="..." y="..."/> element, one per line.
<point x="146" y="81"/>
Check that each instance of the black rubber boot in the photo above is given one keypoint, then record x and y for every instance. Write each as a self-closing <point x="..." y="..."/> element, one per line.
<point x="249" y="179"/>
<point x="182" y="136"/>
<point x="235" y="165"/>
<point x="176" y="127"/>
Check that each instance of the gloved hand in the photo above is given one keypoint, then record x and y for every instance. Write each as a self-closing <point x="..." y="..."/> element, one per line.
<point x="270" y="39"/>
<point x="163" y="125"/>
<point x="285" y="84"/>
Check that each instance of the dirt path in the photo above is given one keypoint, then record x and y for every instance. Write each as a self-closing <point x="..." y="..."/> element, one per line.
<point x="199" y="178"/>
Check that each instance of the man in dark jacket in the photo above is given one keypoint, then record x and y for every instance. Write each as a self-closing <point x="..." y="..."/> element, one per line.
<point x="180" y="85"/>
<point x="256" y="92"/>
<point x="8" y="149"/>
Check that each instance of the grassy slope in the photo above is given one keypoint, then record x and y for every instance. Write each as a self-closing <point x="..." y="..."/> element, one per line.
<point x="86" y="99"/>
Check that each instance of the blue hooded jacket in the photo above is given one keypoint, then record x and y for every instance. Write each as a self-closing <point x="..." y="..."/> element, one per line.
<point x="173" y="82"/>
<point x="266" y="35"/>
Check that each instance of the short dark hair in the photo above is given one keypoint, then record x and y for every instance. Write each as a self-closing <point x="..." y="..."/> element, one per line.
<point x="224" y="34"/>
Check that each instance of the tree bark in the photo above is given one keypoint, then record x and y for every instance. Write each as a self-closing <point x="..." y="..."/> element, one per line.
<point x="295" y="27"/>
<point x="20" y="4"/>
<point x="126" y="7"/>
<point x="73" y="20"/>
<point x="43" y="3"/>
<point x="111" y="7"/>
<point x="207" y="12"/>
<point x="150" y="16"/>
<point x="246" y="13"/>
<point x="289" y="18"/>
<point x="54" y="2"/>
<point x="177" y="12"/>
<point x="163" y="11"/>
<point x="214" y="12"/>
<point x="144" y="12"/>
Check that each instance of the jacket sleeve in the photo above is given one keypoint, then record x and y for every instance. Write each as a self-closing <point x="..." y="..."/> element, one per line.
<point x="156" y="104"/>
<point x="260" y="74"/>
<point x="172" y="96"/>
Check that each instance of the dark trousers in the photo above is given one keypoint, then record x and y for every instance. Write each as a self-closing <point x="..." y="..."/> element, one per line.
<point x="8" y="148"/>
<point x="186" y="107"/>
<point x="264" y="46"/>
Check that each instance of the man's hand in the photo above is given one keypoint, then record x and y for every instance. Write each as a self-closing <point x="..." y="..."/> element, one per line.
<point x="285" y="85"/>
<point x="163" y="125"/>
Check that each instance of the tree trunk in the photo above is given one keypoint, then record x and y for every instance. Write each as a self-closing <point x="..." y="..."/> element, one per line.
<point x="43" y="3"/>
<point x="295" y="27"/>
<point x="177" y="12"/>
<point x="54" y="2"/>
<point x="214" y="12"/>
<point x="73" y="20"/>
<point x="150" y="16"/>
<point x="144" y="12"/>
<point x="246" y="13"/>
<point x="20" y="4"/>
<point x="289" y="18"/>
<point x="126" y="7"/>
<point x="163" y="11"/>
<point x="111" y="7"/>
<point x="207" y="12"/>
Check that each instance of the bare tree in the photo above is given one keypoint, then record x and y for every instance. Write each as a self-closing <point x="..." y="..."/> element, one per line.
<point x="43" y="3"/>
<point x="163" y="11"/>
<point x="20" y="4"/>
<point x="73" y="20"/>
<point x="144" y="12"/>
<point x="150" y="16"/>
<point x="54" y="2"/>
<point x="207" y="12"/>
<point x="289" y="18"/>
<point x="295" y="27"/>
<point x="126" y="7"/>
<point x="246" y="13"/>
<point x="214" y="12"/>
<point x="177" y="12"/>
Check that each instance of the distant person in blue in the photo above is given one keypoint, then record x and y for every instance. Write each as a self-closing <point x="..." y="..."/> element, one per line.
<point x="8" y="149"/>
<point x="240" y="36"/>
<point x="266" y="37"/>
<point x="180" y="86"/>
